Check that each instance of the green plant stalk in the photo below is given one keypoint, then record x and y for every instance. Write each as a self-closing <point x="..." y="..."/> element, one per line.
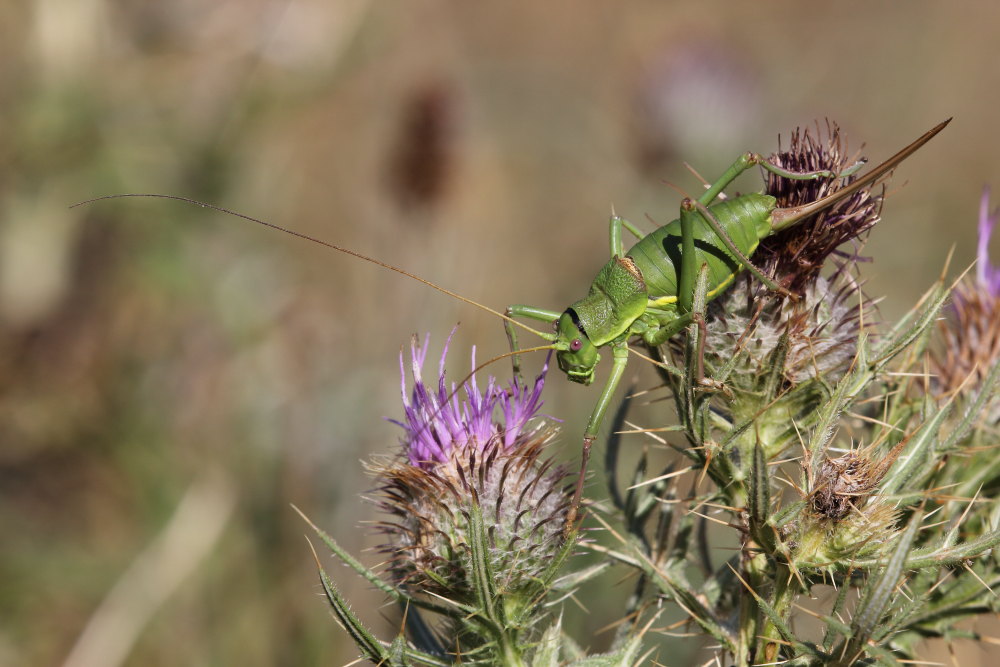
<point x="509" y="652"/>
<point x="784" y="593"/>
<point x="755" y="574"/>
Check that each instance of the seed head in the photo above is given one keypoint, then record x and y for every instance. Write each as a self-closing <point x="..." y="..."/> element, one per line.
<point x="846" y="482"/>
<point x="483" y="451"/>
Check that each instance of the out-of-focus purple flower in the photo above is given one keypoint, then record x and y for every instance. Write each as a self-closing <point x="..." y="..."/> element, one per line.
<point x="987" y="274"/>
<point x="970" y="332"/>
<point x="438" y="422"/>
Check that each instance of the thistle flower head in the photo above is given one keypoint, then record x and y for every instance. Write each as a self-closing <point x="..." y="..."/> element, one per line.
<point x="819" y="330"/>
<point x="482" y="453"/>
<point x="796" y="256"/>
<point x="970" y="334"/>
<point x="437" y="423"/>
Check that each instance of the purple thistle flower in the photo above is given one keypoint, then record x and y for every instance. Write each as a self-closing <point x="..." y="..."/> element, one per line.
<point x="987" y="275"/>
<point x="970" y="334"/>
<point x="438" y="423"/>
<point x="482" y="450"/>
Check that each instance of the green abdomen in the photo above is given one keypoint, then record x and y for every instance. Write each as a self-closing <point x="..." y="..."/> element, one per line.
<point x="746" y="219"/>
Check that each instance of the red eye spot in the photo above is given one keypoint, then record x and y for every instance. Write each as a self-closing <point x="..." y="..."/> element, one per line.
<point x="575" y="345"/>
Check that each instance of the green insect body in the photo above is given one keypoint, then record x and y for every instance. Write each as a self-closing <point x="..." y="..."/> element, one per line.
<point x="637" y="294"/>
<point x="745" y="219"/>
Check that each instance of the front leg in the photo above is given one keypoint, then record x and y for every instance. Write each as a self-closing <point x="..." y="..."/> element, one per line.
<point x="619" y="361"/>
<point x="530" y="312"/>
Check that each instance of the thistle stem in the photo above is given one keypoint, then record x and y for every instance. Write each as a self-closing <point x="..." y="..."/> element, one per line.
<point x="784" y="592"/>
<point x="755" y="574"/>
<point x="510" y="654"/>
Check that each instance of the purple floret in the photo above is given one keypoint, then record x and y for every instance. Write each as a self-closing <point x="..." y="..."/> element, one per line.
<point x="987" y="275"/>
<point x="439" y="422"/>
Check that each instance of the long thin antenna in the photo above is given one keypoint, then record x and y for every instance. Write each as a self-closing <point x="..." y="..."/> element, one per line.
<point x="499" y="357"/>
<point x="346" y="251"/>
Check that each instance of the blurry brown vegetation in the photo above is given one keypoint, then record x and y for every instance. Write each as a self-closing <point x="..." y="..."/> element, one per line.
<point x="152" y="352"/>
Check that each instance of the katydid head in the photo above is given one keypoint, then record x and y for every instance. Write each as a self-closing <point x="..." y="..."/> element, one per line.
<point x="576" y="354"/>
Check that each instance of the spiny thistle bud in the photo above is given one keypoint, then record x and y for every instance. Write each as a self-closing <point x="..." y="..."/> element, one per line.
<point x="970" y="332"/>
<point x="821" y="328"/>
<point x="817" y="541"/>
<point x="457" y="456"/>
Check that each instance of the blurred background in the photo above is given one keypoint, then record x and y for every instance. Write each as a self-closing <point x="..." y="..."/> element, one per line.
<point x="174" y="379"/>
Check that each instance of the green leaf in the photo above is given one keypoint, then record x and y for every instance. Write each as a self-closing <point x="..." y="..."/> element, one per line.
<point x="572" y="580"/>
<point x="849" y="387"/>
<point x="786" y="514"/>
<point x="369" y="646"/>
<point x="624" y="656"/>
<point x="909" y="329"/>
<point x="953" y="600"/>
<point x="902" y="616"/>
<point x="760" y="500"/>
<point x="916" y="454"/>
<point x="776" y="368"/>
<point x="974" y="411"/>
<point x="551" y="571"/>
<point x="395" y="593"/>
<point x="481" y="575"/>
<point x="834" y="626"/>
<point x="547" y="652"/>
<point x="351" y="562"/>
<point x="760" y="487"/>
<point x="953" y="555"/>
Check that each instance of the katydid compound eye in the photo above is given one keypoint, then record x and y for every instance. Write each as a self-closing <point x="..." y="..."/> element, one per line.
<point x="575" y="345"/>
